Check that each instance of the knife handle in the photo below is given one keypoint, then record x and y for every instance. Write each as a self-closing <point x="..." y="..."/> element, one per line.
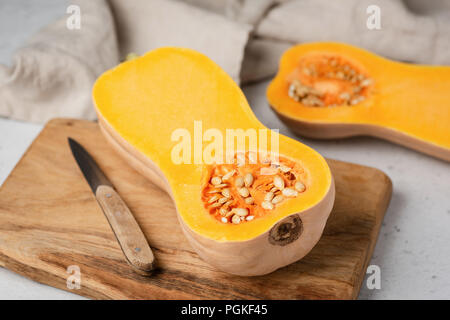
<point x="134" y="245"/>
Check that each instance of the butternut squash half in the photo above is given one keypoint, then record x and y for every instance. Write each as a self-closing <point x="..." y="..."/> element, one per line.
<point x="333" y="90"/>
<point x="249" y="214"/>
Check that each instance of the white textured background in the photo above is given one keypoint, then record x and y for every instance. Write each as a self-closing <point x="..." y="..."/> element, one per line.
<point x="413" y="247"/>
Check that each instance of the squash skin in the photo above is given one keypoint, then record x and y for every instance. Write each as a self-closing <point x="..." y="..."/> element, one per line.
<point x="256" y="255"/>
<point x="409" y="105"/>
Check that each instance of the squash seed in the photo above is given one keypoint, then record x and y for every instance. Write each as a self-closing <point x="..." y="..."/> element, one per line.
<point x="229" y="203"/>
<point x="223" y="200"/>
<point x="226" y="193"/>
<point x="216" y="180"/>
<point x="268" y="196"/>
<point x="278" y="182"/>
<point x="357" y="89"/>
<point x="299" y="186"/>
<point x="239" y="182"/>
<point x="228" y="175"/>
<point x="220" y="185"/>
<point x="249" y="200"/>
<point x="267" y="205"/>
<point x="215" y="205"/>
<point x="265" y="171"/>
<point x="366" y="83"/>
<point x="229" y="214"/>
<point x="289" y="192"/>
<point x="284" y="168"/>
<point x="345" y="96"/>
<point x="277" y="199"/>
<point x="224" y="220"/>
<point x="213" y="198"/>
<point x="357" y="100"/>
<point x="248" y="179"/>
<point x="236" y="219"/>
<point x="214" y="191"/>
<point x="249" y="218"/>
<point x="244" y="192"/>
<point x="242" y="212"/>
<point x="223" y="211"/>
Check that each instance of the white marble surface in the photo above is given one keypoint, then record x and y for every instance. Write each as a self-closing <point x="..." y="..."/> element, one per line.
<point x="412" y="251"/>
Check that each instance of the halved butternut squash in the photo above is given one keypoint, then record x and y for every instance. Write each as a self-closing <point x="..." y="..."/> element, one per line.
<point x="256" y="211"/>
<point x="333" y="90"/>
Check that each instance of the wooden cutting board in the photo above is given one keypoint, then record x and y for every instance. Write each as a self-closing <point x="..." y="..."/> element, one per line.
<point x="50" y="220"/>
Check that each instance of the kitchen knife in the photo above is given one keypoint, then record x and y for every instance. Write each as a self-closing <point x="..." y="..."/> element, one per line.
<point x="128" y="233"/>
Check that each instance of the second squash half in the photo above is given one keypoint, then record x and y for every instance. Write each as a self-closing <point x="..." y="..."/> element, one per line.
<point x="334" y="90"/>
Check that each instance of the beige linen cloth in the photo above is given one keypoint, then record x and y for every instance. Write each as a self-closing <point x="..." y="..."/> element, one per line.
<point x="52" y="75"/>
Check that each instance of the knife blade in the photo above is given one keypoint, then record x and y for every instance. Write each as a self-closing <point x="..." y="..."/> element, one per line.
<point x="131" y="239"/>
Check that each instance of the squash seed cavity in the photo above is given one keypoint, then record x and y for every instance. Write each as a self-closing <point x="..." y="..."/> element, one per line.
<point x="251" y="187"/>
<point x="325" y="80"/>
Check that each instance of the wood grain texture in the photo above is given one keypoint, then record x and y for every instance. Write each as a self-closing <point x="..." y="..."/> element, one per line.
<point x="49" y="220"/>
<point x="134" y="245"/>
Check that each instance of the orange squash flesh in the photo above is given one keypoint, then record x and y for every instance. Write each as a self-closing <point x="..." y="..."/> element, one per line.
<point x="142" y="102"/>
<point x="407" y="104"/>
